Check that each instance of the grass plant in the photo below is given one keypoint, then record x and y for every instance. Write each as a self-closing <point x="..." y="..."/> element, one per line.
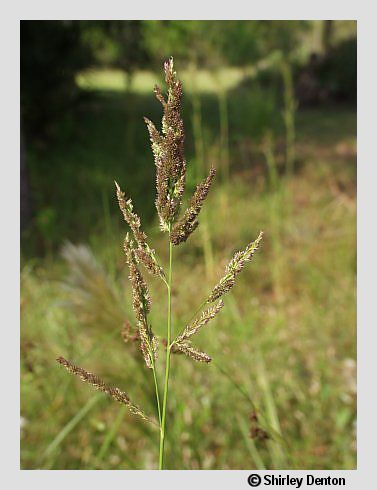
<point x="168" y="150"/>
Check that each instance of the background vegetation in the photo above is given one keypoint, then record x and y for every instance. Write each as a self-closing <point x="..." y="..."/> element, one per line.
<point x="272" y="105"/>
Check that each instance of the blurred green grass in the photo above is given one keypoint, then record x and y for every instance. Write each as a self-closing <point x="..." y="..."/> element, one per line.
<point x="141" y="81"/>
<point x="286" y="339"/>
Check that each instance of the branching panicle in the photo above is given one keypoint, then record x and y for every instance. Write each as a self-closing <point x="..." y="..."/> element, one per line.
<point x="143" y="252"/>
<point x="193" y="352"/>
<point x="188" y="223"/>
<point x="128" y="333"/>
<point x="168" y="150"/>
<point x="100" y="385"/>
<point x="200" y="322"/>
<point x="234" y="267"/>
<point x="130" y="217"/>
<point x="141" y="304"/>
<point x="159" y="96"/>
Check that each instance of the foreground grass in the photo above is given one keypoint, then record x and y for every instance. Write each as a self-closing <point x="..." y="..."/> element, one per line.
<point x="285" y="341"/>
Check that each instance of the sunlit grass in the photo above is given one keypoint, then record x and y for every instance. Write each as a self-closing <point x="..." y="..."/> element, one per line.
<point x="141" y="81"/>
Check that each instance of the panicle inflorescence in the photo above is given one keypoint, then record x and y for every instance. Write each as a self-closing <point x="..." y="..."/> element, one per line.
<point x="191" y="351"/>
<point x="200" y="322"/>
<point x="183" y="344"/>
<point x="128" y="333"/>
<point x="143" y="253"/>
<point x="141" y="303"/>
<point x="100" y="385"/>
<point x="168" y="150"/>
<point x="188" y="223"/>
<point x="234" y="267"/>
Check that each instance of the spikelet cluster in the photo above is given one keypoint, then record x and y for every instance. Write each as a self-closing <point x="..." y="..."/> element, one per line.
<point x="143" y="253"/>
<point x="191" y="351"/>
<point x="141" y="303"/>
<point x="168" y="152"/>
<point x="100" y="385"/>
<point x="183" y="344"/>
<point x="128" y="334"/>
<point x="168" y="149"/>
<point x="189" y="222"/>
<point x="234" y="267"/>
<point x="200" y="322"/>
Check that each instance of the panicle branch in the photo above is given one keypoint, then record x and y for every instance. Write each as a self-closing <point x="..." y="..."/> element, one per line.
<point x="100" y="385"/>
<point x="143" y="253"/>
<point x="234" y="267"/>
<point x="192" y="351"/>
<point x="141" y="303"/>
<point x="128" y="333"/>
<point x="188" y="223"/>
<point x="168" y="150"/>
<point x="200" y="322"/>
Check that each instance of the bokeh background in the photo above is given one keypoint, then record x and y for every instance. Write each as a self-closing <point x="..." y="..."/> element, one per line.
<point x="272" y="105"/>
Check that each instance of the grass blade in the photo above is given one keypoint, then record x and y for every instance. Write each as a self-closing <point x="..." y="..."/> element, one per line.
<point x="111" y="434"/>
<point x="254" y="453"/>
<point x="80" y="415"/>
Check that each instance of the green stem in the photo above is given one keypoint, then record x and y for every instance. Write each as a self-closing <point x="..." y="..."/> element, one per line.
<point x="156" y="389"/>
<point x="153" y="366"/>
<point x="167" y="366"/>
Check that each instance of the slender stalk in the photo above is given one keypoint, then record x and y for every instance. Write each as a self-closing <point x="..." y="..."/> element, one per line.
<point x="153" y="365"/>
<point x="167" y="366"/>
<point x="156" y="389"/>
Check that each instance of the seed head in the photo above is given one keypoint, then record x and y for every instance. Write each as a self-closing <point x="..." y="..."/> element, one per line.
<point x="143" y="252"/>
<point x="234" y="267"/>
<point x="193" y="352"/>
<point x="100" y="385"/>
<point x="200" y="322"/>
<point x="141" y="304"/>
<point x="128" y="333"/>
<point x="168" y="149"/>
<point x="188" y="223"/>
